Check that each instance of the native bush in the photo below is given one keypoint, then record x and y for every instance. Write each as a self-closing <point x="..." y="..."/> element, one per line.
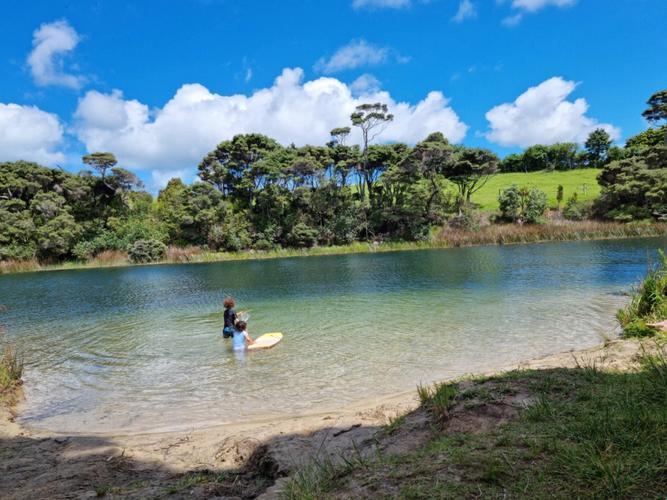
<point x="143" y="251"/>
<point x="522" y="204"/>
<point x="302" y="236"/>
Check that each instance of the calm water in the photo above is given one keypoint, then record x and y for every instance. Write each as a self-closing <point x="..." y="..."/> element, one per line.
<point x="141" y="348"/>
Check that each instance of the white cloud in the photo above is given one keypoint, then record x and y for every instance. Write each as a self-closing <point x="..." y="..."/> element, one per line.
<point x="28" y="133"/>
<point x="195" y="120"/>
<point x="355" y="54"/>
<point x="380" y="4"/>
<point x="467" y="10"/>
<point x="50" y="42"/>
<point x="543" y="115"/>
<point x="365" y="84"/>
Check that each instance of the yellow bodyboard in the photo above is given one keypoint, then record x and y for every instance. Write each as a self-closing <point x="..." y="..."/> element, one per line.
<point x="265" y="341"/>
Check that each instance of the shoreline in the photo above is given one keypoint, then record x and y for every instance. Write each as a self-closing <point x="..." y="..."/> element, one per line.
<point x="400" y="398"/>
<point x="290" y="441"/>
<point x="491" y="235"/>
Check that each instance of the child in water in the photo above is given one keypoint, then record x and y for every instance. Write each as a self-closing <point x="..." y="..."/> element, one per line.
<point x="241" y="337"/>
<point x="230" y="318"/>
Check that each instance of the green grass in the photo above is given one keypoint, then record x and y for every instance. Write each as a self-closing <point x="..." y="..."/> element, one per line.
<point x="648" y="304"/>
<point x="581" y="181"/>
<point x="587" y="433"/>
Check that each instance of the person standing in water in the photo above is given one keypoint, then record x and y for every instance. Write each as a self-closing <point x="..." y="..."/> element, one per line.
<point x="230" y="318"/>
<point x="241" y="337"/>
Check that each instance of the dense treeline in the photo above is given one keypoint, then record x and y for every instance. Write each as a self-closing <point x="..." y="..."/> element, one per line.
<point x="256" y="193"/>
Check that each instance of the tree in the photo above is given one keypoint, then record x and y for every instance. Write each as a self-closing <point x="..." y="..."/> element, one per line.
<point x="371" y="120"/>
<point x="428" y="159"/>
<point x="102" y="162"/>
<point x="470" y="169"/>
<point x="339" y="135"/>
<point x="657" y="107"/>
<point x="597" y="145"/>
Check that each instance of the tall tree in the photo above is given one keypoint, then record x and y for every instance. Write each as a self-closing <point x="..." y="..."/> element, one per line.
<point x="428" y="159"/>
<point x="101" y="162"/>
<point x="371" y="120"/>
<point x="597" y="145"/>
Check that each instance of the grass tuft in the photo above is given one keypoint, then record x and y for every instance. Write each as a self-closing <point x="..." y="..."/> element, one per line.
<point x="648" y="303"/>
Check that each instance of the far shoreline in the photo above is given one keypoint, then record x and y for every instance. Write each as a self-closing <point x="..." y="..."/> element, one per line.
<point x="505" y="234"/>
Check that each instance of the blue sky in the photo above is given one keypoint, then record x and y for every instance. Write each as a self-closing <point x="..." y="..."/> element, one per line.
<point x="155" y="82"/>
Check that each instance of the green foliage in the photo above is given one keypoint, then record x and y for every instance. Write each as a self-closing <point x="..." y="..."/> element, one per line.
<point x="648" y="304"/>
<point x="657" y="107"/>
<point x="144" y="251"/>
<point x="302" y="236"/>
<point x="635" y="186"/>
<point x="597" y="146"/>
<point x="540" y="157"/>
<point x="576" y="209"/>
<point x="522" y="204"/>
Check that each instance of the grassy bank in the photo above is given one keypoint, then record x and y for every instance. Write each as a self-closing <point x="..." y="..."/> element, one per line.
<point x="581" y="181"/>
<point x="557" y="433"/>
<point x="497" y="234"/>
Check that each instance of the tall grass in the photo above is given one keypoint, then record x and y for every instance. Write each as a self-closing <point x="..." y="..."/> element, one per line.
<point x="503" y="234"/>
<point x="18" y="266"/>
<point x="11" y="363"/>
<point x="648" y="304"/>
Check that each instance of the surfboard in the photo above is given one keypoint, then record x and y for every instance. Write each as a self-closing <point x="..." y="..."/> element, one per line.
<point x="265" y="341"/>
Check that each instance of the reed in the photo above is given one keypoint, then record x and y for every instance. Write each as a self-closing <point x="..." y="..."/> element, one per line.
<point x="18" y="266"/>
<point x="503" y="234"/>
<point x="183" y="254"/>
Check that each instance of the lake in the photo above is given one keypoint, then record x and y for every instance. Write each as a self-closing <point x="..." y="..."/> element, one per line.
<point x="140" y="348"/>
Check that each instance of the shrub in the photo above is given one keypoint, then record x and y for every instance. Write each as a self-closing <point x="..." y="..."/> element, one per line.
<point x="302" y="236"/>
<point x="143" y="251"/>
<point x="466" y="221"/>
<point x="232" y="235"/>
<point x="522" y="204"/>
<point x="575" y="209"/>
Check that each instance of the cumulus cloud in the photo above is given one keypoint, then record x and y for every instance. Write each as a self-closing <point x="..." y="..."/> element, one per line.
<point x="543" y="115"/>
<point x="467" y="10"/>
<point x="355" y="54"/>
<point x="177" y="135"/>
<point x="380" y="4"/>
<point x="50" y="43"/>
<point x="28" y="133"/>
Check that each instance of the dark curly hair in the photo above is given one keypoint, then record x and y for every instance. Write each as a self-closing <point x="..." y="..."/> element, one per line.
<point x="241" y="326"/>
<point x="229" y="303"/>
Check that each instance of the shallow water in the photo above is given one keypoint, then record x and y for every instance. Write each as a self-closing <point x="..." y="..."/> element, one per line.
<point x="140" y="348"/>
